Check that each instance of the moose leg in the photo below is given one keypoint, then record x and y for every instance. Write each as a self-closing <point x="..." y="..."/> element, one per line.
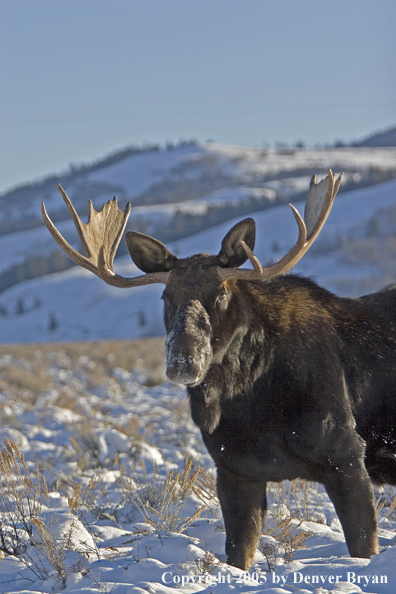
<point x="243" y="503"/>
<point x="349" y="488"/>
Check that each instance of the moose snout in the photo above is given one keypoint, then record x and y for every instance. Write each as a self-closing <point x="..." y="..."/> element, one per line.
<point x="187" y="346"/>
<point x="181" y="366"/>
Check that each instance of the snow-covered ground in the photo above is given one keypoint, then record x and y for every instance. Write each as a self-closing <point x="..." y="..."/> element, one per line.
<point x="121" y="522"/>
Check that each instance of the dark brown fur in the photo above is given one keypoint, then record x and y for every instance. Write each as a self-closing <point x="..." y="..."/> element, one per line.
<point x="289" y="381"/>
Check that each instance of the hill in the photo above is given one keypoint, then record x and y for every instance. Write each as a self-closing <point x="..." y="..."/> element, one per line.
<point x="174" y="192"/>
<point x="385" y="138"/>
<point x="354" y="254"/>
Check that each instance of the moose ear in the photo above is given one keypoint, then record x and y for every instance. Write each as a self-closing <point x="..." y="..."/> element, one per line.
<point x="149" y="254"/>
<point x="232" y="253"/>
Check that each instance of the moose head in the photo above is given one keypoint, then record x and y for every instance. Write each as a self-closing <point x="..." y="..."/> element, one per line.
<point x="201" y="291"/>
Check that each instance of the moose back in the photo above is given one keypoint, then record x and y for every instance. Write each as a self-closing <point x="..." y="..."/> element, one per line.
<point x="285" y="379"/>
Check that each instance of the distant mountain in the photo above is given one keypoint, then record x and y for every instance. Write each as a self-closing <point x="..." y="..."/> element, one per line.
<point x="354" y="254"/>
<point x="382" y="139"/>
<point x="175" y="192"/>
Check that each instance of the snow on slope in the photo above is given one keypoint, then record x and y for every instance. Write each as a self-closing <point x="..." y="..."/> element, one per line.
<point x="15" y="247"/>
<point x="127" y="178"/>
<point x="32" y="243"/>
<point x="245" y="162"/>
<point x="209" y="163"/>
<point x="138" y="173"/>
<point x="384" y="138"/>
<point x="76" y="305"/>
<point x="175" y="193"/>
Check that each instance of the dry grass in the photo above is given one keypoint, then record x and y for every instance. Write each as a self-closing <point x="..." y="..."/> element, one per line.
<point x="282" y="537"/>
<point x="23" y="367"/>
<point x="24" y="529"/>
<point x="24" y="378"/>
<point x="206" y="491"/>
<point x="386" y="505"/>
<point x="161" y="498"/>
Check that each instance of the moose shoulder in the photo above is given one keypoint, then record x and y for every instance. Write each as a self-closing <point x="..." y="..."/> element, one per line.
<point x="284" y="378"/>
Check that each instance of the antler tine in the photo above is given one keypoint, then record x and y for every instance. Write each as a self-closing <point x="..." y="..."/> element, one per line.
<point x="78" y="258"/>
<point x="317" y="208"/>
<point x="100" y="237"/>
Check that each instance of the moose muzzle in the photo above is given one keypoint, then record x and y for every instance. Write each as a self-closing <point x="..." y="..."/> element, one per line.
<point x="187" y="347"/>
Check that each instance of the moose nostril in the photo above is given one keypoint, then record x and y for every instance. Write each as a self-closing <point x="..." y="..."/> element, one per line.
<point x="185" y="365"/>
<point x="187" y="346"/>
<point x="180" y="371"/>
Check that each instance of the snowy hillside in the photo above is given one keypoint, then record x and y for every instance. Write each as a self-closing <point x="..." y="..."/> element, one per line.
<point x="190" y="172"/>
<point x="174" y="194"/>
<point x="354" y="254"/>
<point x="384" y="138"/>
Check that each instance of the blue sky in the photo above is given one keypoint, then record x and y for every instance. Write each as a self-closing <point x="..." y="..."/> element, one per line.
<point x="82" y="78"/>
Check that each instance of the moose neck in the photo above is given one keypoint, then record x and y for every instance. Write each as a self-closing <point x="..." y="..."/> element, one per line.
<point x="241" y="353"/>
<point x="260" y="318"/>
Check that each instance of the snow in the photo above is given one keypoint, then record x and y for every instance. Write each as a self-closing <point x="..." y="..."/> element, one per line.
<point x="131" y="176"/>
<point x="142" y="171"/>
<point x="15" y="246"/>
<point x="245" y="160"/>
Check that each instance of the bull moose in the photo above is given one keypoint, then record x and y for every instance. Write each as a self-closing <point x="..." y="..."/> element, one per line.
<point x="285" y="379"/>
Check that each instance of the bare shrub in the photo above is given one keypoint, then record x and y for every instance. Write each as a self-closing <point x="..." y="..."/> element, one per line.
<point x="206" y="564"/>
<point x="21" y="498"/>
<point x="385" y="505"/>
<point x="284" y="533"/>
<point x="21" y="502"/>
<point x="296" y="494"/>
<point x="286" y="538"/>
<point x="269" y="548"/>
<point x="160" y="499"/>
<point x="68" y="399"/>
<point x="24" y="530"/>
<point x="205" y="489"/>
<point x="131" y="427"/>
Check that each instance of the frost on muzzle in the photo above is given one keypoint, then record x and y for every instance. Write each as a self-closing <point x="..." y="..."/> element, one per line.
<point x="187" y="347"/>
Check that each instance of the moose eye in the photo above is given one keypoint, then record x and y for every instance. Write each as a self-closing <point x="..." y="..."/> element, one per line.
<point x="222" y="298"/>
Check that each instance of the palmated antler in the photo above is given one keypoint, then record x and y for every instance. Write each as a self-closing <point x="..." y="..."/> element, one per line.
<point x="100" y="238"/>
<point x="317" y="208"/>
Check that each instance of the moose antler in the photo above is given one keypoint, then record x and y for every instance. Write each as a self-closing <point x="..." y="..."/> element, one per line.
<point x="317" y="208"/>
<point x="100" y="238"/>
